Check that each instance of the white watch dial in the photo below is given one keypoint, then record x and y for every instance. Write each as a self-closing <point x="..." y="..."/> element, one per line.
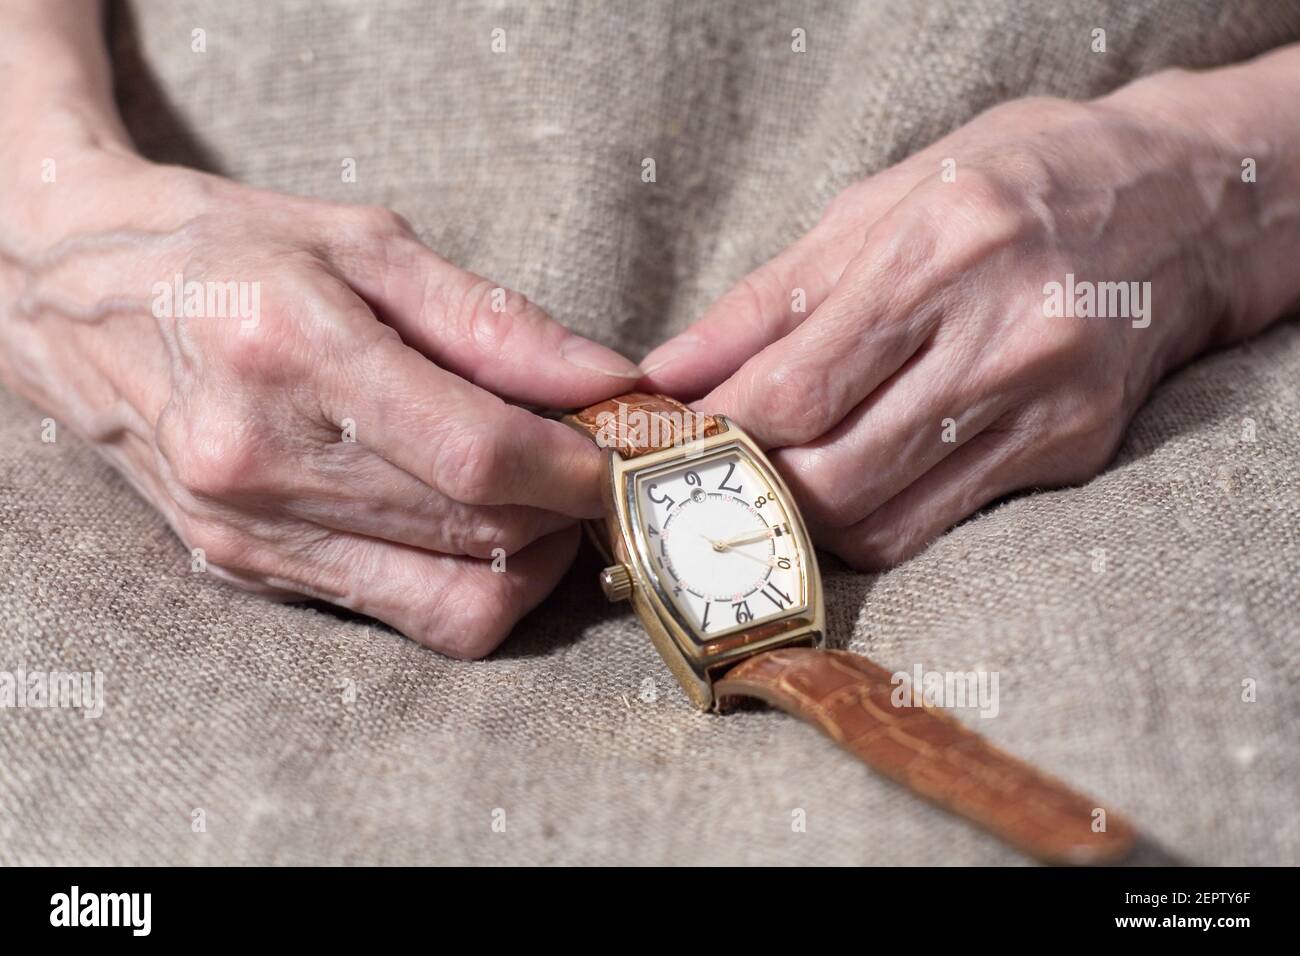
<point x="721" y="543"/>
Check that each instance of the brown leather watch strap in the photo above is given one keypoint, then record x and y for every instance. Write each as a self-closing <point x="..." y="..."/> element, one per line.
<point x="638" y="423"/>
<point x="849" y="698"/>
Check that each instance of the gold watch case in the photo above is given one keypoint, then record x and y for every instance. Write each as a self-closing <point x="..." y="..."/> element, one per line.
<point x="696" y="662"/>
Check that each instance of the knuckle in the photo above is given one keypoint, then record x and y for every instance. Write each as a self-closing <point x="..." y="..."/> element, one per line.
<point x="1057" y="346"/>
<point x="370" y="237"/>
<point x="381" y="221"/>
<point x="990" y="197"/>
<point x="272" y="351"/>
<point x="793" y="403"/>
<point x="268" y="335"/>
<point x="469" y="466"/>
<point x="987" y="208"/>
<point x="222" y="544"/>
<point x="489" y="317"/>
<point x="250" y="357"/>
<point x="468" y="622"/>
<point x="214" y="462"/>
<point x="487" y="537"/>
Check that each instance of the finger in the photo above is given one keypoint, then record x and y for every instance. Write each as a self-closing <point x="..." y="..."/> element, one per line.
<point x="758" y="310"/>
<point x="448" y="433"/>
<point x="987" y="467"/>
<point x="481" y="331"/>
<point x="457" y="605"/>
<point x="775" y="298"/>
<point x="897" y="434"/>
<point x="473" y="447"/>
<point x="883" y="310"/>
<point x="347" y="488"/>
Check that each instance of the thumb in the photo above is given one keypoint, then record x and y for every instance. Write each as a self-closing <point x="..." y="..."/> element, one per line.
<point x="761" y="308"/>
<point x="487" y="334"/>
<point x="774" y="299"/>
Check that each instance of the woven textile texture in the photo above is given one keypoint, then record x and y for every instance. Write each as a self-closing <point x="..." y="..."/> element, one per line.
<point x="1122" y="616"/>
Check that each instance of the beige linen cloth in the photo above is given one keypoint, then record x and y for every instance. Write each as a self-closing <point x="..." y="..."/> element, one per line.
<point x="1122" y="617"/>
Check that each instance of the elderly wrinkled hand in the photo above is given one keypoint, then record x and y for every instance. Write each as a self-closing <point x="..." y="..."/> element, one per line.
<point x="984" y="317"/>
<point x="310" y="396"/>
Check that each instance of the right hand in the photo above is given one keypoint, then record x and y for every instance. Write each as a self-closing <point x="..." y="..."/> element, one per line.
<point x="236" y="431"/>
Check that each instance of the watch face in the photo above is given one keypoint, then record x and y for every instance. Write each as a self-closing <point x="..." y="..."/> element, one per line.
<point x="717" y="535"/>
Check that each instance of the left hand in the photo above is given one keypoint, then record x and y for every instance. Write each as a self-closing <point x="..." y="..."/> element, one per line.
<point x="924" y="379"/>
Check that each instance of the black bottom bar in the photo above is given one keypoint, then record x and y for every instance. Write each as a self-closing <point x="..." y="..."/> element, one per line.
<point x="910" y="905"/>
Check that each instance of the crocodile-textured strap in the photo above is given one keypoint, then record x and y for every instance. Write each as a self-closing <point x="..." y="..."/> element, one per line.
<point x="638" y="423"/>
<point x="849" y="698"/>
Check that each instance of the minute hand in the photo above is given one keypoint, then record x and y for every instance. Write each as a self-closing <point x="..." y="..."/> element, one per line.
<point x="748" y="538"/>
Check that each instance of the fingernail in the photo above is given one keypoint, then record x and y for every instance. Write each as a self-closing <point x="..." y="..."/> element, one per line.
<point x="671" y="351"/>
<point x="594" y="357"/>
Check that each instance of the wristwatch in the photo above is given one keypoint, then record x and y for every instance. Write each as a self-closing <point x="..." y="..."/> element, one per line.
<point x="705" y="540"/>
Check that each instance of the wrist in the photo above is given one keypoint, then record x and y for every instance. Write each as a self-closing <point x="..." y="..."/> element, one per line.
<point x="55" y="125"/>
<point x="55" y="188"/>
<point x="70" y="366"/>
<point x="1240" y="173"/>
<point x="58" y="120"/>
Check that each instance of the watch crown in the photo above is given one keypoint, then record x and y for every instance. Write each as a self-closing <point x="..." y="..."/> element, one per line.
<point x="616" y="582"/>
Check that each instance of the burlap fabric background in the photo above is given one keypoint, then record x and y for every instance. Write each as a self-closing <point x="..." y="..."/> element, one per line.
<point x="525" y="166"/>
